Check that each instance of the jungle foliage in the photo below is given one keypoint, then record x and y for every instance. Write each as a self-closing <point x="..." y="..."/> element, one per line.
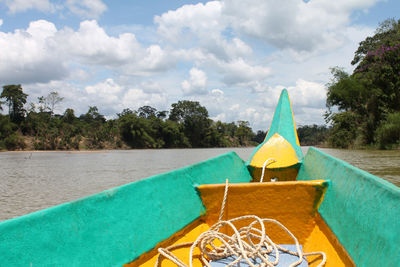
<point x="312" y="135"/>
<point x="364" y="107"/>
<point x="39" y="128"/>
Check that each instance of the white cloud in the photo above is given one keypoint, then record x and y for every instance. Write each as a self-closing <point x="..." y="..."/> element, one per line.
<point x="91" y="44"/>
<point x="82" y="8"/>
<point x="86" y="8"/>
<point x="294" y="24"/>
<point x="74" y="96"/>
<point x="1" y="22"/>
<point x="201" y="25"/>
<point x="31" y="55"/>
<point x="41" y="29"/>
<point x="250" y="114"/>
<point x="309" y="38"/>
<point x="106" y="92"/>
<point x="114" y="97"/>
<point x="42" y="53"/>
<point x="239" y="71"/>
<point x="288" y="69"/>
<point x="235" y="107"/>
<point x="16" y="6"/>
<point x="151" y="87"/>
<point x="155" y="59"/>
<point x="108" y="95"/>
<point x="196" y="84"/>
<point x="215" y="101"/>
<point x="236" y="71"/>
<point x="308" y="102"/>
<point x="219" y="117"/>
<point x="134" y="98"/>
<point x="310" y="94"/>
<point x="199" y="19"/>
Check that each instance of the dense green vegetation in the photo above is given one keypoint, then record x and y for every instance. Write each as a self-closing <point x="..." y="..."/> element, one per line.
<point x="188" y="125"/>
<point x="311" y="135"/>
<point x="364" y="107"/>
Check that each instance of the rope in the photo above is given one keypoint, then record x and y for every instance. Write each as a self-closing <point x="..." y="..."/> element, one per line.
<point x="266" y="163"/>
<point x="221" y="214"/>
<point x="240" y="244"/>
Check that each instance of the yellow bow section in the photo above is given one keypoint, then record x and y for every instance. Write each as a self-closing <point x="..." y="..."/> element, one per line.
<point x="276" y="148"/>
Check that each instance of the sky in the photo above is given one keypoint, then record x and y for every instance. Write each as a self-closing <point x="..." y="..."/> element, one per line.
<point x="232" y="56"/>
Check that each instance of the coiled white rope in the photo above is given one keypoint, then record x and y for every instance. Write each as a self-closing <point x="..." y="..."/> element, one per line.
<point x="240" y="244"/>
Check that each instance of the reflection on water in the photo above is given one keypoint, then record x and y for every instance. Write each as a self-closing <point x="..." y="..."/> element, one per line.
<point x="33" y="181"/>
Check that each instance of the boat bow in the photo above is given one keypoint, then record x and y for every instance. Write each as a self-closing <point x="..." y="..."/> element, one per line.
<point x="281" y="144"/>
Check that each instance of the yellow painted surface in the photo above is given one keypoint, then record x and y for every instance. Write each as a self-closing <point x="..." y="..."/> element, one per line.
<point x="278" y="148"/>
<point x="291" y="203"/>
<point x="294" y="204"/>
<point x="189" y="234"/>
<point x="322" y="239"/>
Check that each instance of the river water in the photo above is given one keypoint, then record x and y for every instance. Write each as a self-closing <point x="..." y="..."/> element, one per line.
<point x="30" y="181"/>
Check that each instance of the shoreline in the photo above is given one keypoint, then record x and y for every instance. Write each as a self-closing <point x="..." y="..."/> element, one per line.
<point x="365" y="148"/>
<point x="52" y="151"/>
<point x="120" y="149"/>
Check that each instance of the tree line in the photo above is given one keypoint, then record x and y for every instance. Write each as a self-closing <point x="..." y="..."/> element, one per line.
<point x="364" y="107"/>
<point x="186" y="125"/>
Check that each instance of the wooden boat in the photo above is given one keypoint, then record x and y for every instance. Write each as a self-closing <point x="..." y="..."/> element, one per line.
<point x="329" y="205"/>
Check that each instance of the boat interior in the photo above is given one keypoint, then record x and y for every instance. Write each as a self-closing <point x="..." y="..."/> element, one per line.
<point x="294" y="204"/>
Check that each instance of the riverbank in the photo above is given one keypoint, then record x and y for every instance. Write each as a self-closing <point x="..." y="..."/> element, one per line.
<point x="31" y="144"/>
<point x="106" y="148"/>
<point x="57" y="151"/>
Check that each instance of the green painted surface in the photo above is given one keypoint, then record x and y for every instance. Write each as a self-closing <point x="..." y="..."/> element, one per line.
<point x="116" y="226"/>
<point x="361" y="209"/>
<point x="283" y="124"/>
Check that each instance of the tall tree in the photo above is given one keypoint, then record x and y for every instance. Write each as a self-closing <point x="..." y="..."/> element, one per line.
<point x="136" y="131"/>
<point x="93" y="115"/>
<point x="244" y="132"/>
<point x="15" y="99"/>
<point x="372" y="92"/>
<point x="194" y="118"/>
<point x="387" y="34"/>
<point x="69" y="115"/>
<point x="147" y="112"/>
<point x="51" y="101"/>
<point x="259" y="137"/>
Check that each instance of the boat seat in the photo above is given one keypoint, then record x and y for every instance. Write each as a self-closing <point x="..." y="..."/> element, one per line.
<point x="285" y="259"/>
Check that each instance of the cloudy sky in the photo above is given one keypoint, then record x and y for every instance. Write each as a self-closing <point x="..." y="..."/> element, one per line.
<point x="234" y="57"/>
